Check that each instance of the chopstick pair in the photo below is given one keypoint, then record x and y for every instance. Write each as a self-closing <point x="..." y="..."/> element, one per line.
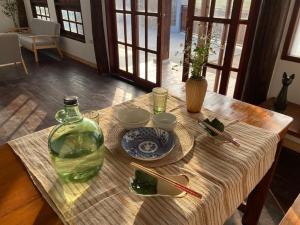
<point x="224" y="134"/>
<point x="168" y="180"/>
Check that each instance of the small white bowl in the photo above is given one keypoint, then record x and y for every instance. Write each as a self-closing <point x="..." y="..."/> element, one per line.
<point x="166" y="121"/>
<point x="133" y="117"/>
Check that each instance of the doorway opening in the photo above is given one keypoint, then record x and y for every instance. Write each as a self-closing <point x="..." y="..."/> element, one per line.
<point x="226" y="21"/>
<point x="134" y="30"/>
<point x="147" y="40"/>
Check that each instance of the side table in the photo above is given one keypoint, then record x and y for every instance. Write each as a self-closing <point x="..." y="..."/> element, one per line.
<point x="292" y="110"/>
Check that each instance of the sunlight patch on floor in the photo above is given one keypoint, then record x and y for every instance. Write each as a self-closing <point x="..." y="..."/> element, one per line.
<point x="23" y="116"/>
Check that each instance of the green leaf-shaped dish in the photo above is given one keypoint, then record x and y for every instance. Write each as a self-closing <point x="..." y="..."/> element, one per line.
<point x="216" y="124"/>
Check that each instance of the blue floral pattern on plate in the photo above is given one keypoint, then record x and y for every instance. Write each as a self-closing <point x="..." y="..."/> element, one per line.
<point x="147" y="143"/>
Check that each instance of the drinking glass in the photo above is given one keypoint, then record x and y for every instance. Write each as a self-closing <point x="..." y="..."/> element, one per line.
<point x="91" y="114"/>
<point x="160" y="96"/>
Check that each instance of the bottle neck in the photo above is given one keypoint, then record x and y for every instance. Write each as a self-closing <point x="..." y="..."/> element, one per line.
<point x="72" y="113"/>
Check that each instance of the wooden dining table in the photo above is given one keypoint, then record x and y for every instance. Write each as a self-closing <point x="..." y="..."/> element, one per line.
<point x="21" y="202"/>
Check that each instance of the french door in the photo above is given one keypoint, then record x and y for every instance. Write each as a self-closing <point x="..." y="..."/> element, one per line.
<point x="227" y="22"/>
<point x="136" y="40"/>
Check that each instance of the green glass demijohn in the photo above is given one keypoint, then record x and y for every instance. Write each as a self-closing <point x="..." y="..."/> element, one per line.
<point x="76" y="144"/>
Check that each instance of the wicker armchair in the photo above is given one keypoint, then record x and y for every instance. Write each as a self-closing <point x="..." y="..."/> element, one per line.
<point x="41" y="35"/>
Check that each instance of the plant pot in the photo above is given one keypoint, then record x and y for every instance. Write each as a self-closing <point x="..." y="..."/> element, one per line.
<point x="195" y="93"/>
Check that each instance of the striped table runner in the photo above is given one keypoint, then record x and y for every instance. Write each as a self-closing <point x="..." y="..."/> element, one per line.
<point x="224" y="175"/>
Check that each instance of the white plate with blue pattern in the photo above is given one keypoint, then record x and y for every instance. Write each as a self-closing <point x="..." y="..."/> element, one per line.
<point x="148" y="143"/>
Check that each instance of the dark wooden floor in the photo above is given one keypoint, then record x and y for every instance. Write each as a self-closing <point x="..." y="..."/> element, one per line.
<point x="29" y="103"/>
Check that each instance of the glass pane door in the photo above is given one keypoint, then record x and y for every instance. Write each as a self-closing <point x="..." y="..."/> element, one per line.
<point x="138" y="41"/>
<point x="124" y="36"/>
<point x="226" y="22"/>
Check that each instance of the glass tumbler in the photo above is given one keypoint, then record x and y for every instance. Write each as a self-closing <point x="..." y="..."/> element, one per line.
<point x="160" y="96"/>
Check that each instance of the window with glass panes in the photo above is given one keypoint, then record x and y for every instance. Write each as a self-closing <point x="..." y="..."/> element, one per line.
<point x="291" y="48"/>
<point x="70" y="17"/>
<point x="40" y="9"/>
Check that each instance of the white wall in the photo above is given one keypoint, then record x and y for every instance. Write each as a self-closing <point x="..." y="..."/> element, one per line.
<point x="282" y="66"/>
<point x="5" y="23"/>
<point x="79" y="49"/>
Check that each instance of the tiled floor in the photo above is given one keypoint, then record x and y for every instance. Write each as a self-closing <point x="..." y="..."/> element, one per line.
<point x="28" y="103"/>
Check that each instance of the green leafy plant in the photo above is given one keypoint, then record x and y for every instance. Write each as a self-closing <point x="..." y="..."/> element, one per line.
<point x="10" y="9"/>
<point x="199" y="53"/>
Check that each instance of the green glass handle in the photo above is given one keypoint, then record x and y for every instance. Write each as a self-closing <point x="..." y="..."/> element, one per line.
<point x="60" y="116"/>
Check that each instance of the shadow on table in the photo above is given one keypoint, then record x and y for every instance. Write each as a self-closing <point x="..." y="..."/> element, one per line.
<point x="46" y="216"/>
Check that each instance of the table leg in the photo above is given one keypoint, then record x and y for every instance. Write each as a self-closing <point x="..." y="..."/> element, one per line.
<point x="257" y="197"/>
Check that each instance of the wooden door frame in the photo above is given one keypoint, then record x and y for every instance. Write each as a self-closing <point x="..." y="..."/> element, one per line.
<point x="209" y="19"/>
<point x="113" y="51"/>
<point x="233" y="23"/>
<point x="246" y="52"/>
<point x="101" y="53"/>
<point x="231" y="42"/>
<point x="111" y="37"/>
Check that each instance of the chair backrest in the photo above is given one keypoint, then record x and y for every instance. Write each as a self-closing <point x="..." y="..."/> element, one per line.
<point x="44" y="27"/>
<point x="9" y="48"/>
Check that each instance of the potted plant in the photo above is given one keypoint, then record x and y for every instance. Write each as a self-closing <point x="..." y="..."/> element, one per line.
<point x="196" y="85"/>
<point x="10" y="9"/>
